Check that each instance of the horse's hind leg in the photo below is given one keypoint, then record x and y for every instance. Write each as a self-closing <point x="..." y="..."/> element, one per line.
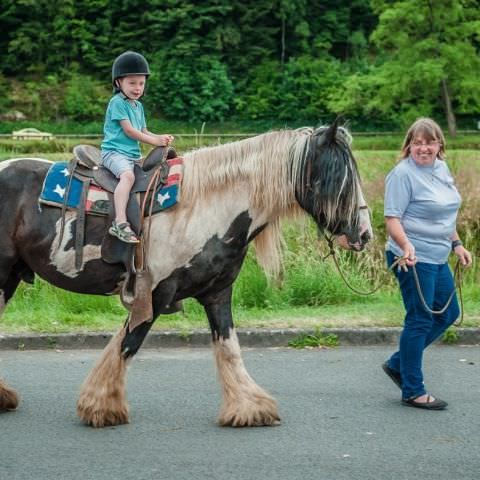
<point x="9" y="281"/>
<point x="244" y="402"/>
<point x="12" y="270"/>
<point x="8" y="397"/>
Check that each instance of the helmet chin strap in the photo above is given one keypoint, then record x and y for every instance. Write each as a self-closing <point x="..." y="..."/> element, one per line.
<point x="119" y="88"/>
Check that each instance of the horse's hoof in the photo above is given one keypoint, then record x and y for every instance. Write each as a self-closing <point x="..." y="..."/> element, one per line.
<point x="260" y="420"/>
<point x="8" y="398"/>
<point x="250" y="414"/>
<point x="102" y="418"/>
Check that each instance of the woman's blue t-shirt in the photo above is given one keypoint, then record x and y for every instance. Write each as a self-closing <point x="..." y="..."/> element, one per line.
<point x="120" y="108"/>
<point x="426" y="201"/>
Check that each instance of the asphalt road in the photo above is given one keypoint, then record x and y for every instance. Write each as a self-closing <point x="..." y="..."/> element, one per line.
<point x="341" y="419"/>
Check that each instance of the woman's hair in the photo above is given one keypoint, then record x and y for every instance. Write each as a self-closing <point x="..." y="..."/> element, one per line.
<point x="429" y="130"/>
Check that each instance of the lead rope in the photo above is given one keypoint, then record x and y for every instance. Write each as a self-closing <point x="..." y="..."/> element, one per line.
<point x="457" y="282"/>
<point x="333" y="254"/>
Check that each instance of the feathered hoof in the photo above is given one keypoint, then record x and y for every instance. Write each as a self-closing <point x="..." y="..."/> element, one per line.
<point x="8" y="398"/>
<point x="101" y="417"/>
<point x="258" y="412"/>
<point x="102" y="401"/>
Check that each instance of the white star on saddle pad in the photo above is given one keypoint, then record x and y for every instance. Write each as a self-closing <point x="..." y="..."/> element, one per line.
<point x="59" y="190"/>
<point x="65" y="172"/>
<point x="161" y="198"/>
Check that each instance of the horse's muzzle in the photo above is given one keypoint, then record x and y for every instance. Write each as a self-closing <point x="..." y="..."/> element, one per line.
<point x="360" y="245"/>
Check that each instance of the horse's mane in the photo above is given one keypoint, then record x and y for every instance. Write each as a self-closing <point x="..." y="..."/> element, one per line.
<point x="260" y="160"/>
<point x="271" y="164"/>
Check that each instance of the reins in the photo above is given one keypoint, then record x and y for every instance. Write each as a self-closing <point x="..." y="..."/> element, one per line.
<point x="147" y="219"/>
<point x="457" y="282"/>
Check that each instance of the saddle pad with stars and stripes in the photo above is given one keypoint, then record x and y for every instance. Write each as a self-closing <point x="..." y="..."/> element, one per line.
<point x="55" y="187"/>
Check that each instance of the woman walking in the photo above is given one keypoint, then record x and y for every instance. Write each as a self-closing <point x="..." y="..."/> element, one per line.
<point x="421" y="206"/>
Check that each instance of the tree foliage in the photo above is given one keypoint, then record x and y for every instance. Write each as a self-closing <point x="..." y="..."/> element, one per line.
<point x="287" y="60"/>
<point x="427" y="49"/>
<point x="197" y="90"/>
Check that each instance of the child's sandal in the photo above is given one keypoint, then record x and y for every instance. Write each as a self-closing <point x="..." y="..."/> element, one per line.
<point x="123" y="232"/>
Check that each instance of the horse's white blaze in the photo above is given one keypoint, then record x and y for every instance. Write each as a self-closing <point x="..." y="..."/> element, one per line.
<point x="181" y="233"/>
<point x="64" y="260"/>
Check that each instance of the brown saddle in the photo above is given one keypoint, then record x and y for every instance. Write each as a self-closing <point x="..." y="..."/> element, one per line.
<point x="86" y="163"/>
<point x="149" y="176"/>
<point x="86" y="167"/>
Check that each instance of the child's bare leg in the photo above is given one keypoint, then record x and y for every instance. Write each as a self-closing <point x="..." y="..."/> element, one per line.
<point x="121" y="194"/>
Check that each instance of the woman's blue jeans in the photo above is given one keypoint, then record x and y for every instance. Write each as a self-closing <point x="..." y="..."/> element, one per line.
<point x="421" y="328"/>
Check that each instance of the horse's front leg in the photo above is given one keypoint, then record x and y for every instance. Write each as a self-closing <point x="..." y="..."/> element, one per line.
<point x="102" y="400"/>
<point x="245" y="404"/>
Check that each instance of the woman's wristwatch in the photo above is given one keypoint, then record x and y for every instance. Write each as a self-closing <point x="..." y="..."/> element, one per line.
<point x="455" y="244"/>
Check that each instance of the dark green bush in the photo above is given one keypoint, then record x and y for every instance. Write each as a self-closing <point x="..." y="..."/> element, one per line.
<point x="195" y="90"/>
<point x="298" y="90"/>
<point x="85" y="98"/>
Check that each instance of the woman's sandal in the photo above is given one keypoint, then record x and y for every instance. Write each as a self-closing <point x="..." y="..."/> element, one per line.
<point x="430" y="404"/>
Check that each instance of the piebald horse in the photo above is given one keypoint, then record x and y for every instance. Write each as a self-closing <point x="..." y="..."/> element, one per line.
<point x="232" y="194"/>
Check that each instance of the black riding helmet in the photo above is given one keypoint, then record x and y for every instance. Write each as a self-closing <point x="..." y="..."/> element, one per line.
<point x="129" y="63"/>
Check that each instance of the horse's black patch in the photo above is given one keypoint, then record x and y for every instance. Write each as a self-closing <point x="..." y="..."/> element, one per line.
<point x="28" y="231"/>
<point x="209" y="273"/>
<point x="217" y="265"/>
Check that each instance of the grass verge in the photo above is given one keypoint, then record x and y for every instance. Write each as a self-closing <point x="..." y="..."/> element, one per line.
<point x="311" y="294"/>
<point x="42" y="308"/>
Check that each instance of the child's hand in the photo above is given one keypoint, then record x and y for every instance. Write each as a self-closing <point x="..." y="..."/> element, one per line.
<point x="163" y="140"/>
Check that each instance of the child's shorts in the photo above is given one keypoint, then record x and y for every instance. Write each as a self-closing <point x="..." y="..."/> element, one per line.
<point x="117" y="162"/>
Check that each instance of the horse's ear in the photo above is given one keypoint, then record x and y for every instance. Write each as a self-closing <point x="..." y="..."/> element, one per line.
<point x="331" y="133"/>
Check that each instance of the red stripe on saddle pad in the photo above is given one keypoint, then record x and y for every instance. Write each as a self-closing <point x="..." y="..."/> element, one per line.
<point x="173" y="179"/>
<point x="175" y="161"/>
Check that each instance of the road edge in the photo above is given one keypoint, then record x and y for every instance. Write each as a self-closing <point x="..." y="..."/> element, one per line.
<point x="249" y="338"/>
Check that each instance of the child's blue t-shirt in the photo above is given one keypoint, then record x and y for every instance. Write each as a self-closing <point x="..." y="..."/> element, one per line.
<point x="120" y="108"/>
<point x="426" y="201"/>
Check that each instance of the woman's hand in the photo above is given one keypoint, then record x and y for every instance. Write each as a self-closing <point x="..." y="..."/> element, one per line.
<point x="463" y="255"/>
<point x="409" y="258"/>
<point x="396" y="231"/>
